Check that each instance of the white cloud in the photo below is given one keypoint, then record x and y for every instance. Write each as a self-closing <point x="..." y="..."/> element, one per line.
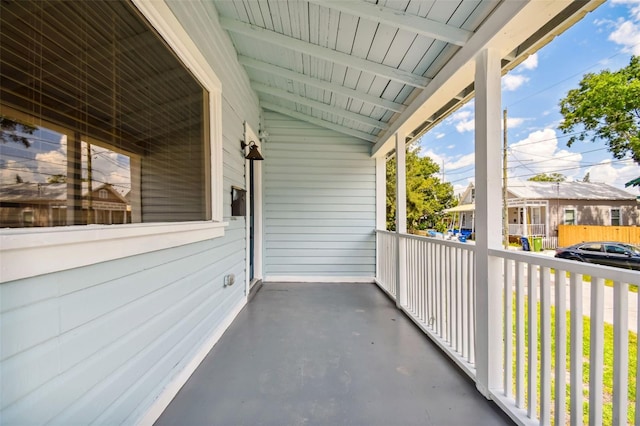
<point x="530" y="63"/>
<point x="463" y="119"/>
<point x="466" y="126"/>
<point x="460" y="162"/>
<point x="539" y="153"/>
<point x="606" y="172"/>
<point x="451" y="146"/>
<point x="511" y="82"/>
<point x="627" y="34"/>
<point x="513" y="122"/>
<point x="440" y="135"/>
<point x="11" y="168"/>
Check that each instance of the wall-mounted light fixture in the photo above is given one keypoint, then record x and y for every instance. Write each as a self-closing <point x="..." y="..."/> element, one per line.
<point x="253" y="154"/>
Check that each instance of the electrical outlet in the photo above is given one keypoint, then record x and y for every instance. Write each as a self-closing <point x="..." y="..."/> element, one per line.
<point x="229" y="280"/>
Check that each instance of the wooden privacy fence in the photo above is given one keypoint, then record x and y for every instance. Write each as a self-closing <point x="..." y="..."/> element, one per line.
<point x="573" y="234"/>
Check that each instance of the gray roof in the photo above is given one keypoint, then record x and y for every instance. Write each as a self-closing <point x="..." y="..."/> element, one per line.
<point x="567" y="190"/>
<point x="20" y="192"/>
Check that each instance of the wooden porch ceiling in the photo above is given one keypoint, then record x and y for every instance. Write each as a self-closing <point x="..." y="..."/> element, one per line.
<point x="369" y="68"/>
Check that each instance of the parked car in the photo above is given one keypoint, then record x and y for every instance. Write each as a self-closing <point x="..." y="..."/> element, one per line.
<point x="607" y="253"/>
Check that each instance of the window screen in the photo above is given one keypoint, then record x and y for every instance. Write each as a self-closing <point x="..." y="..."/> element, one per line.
<point x="100" y="121"/>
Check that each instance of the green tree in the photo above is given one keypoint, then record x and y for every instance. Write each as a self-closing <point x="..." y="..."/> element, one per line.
<point x="10" y="131"/>
<point x="551" y="177"/>
<point x="606" y="106"/>
<point x="427" y="196"/>
<point x="57" y="179"/>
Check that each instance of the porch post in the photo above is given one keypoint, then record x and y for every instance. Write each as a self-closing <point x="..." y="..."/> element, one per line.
<point x="401" y="217"/>
<point x="381" y="193"/>
<point x="488" y="223"/>
<point x="381" y="206"/>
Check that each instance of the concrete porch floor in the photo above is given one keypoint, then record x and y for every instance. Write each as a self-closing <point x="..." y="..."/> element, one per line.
<point x="327" y="354"/>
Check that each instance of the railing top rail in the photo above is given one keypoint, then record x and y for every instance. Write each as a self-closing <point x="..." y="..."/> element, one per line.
<point x="607" y="272"/>
<point x="448" y="243"/>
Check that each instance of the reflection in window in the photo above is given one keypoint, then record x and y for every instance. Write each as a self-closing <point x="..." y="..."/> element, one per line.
<point x="99" y="122"/>
<point x="34" y="189"/>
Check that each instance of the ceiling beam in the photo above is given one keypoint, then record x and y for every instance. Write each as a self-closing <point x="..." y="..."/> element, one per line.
<point x="283" y="41"/>
<point x="349" y="115"/>
<point x="318" y="122"/>
<point x="320" y="84"/>
<point x="399" y="19"/>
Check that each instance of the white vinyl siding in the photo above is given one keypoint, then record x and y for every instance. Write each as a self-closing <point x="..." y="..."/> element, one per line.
<point x="99" y="343"/>
<point x="319" y="202"/>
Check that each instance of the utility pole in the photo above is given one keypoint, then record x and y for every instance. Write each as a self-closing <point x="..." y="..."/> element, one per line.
<point x="505" y="205"/>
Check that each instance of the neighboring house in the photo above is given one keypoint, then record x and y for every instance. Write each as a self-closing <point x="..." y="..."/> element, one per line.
<point x="24" y="205"/>
<point x="104" y="324"/>
<point x="537" y="208"/>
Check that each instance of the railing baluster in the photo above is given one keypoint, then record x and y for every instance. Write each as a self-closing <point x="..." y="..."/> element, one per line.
<point x="454" y="298"/>
<point x="561" y="347"/>
<point x="449" y="295"/>
<point x="620" y="351"/>
<point x="410" y="274"/>
<point x="596" y="355"/>
<point x="576" y="350"/>
<point x="520" y="337"/>
<point x="438" y="286"/>
<point x="532" y="359"/>
<point x="459" y="282"/>
<point x="464" y="266"/>
<point x="637" y="416"/>
<point x="545" y="341"/>
<point x="432" y="288"/>
<point x="508" y="329"/>
<point x="472" y="307"/>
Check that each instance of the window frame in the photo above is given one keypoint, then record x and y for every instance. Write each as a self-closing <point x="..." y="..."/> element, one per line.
<point x="564" y="216"/>
<point x="84" y="245"/>
<point x="619" y="216"/>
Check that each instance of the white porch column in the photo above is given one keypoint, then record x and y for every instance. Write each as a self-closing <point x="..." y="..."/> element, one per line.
<point x="401" y="217"/>
<point x="381" y="193"/>
<point x="488" y="222"/>
<point x="381" y="206"/>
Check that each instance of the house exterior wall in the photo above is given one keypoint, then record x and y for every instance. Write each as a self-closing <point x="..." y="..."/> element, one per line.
<point x="320" y="203"/>
<point x="101" y="343"/>
<point x="589" y="213"/>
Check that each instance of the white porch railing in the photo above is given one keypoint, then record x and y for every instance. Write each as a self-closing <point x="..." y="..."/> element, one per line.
<point x="526" y="230"/>
<point x="440" y="298"/>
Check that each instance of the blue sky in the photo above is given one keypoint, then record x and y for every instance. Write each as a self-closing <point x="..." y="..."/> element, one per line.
<point x="605" y="38"/>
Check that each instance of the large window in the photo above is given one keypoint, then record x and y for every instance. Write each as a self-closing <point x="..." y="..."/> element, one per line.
<point x="100" y="122"/>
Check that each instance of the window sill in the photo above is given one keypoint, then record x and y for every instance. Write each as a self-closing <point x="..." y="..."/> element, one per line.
<point x="30" y="252"/>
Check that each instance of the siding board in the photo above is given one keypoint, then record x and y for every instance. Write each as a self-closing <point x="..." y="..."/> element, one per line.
<point x="320" y="202"/>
